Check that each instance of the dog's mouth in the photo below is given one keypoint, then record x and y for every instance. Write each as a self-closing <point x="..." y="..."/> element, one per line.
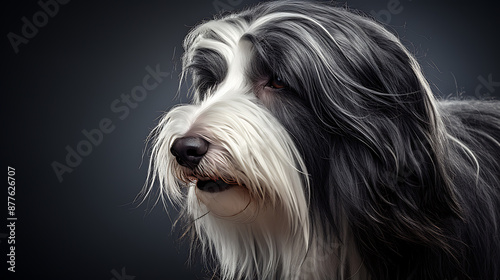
<point x="213" y="186"/>
<point x="224" y="196"/>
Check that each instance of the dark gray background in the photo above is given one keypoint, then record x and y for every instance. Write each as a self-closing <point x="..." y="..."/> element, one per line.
<point x="65" y="78"/>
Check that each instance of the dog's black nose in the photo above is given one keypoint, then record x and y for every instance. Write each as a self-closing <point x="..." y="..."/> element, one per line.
<point x="188" y="151"/>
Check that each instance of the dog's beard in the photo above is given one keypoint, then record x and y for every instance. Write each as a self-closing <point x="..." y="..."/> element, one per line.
<point x="258" y="221"/>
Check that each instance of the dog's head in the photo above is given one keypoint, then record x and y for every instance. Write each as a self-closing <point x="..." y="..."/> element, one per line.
<point x="302" y="114"/>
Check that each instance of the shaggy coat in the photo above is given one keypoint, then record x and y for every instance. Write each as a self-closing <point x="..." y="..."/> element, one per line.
<point x="319" y="119"/>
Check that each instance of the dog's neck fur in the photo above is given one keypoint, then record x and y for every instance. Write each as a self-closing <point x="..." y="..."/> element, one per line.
<point x="330" y="257"/>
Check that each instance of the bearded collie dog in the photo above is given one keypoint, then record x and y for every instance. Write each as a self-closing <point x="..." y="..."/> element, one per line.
<point x="313" y="148"/>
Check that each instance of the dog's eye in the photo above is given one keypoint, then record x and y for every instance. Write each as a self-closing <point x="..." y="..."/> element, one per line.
<point x="276" y="83"/>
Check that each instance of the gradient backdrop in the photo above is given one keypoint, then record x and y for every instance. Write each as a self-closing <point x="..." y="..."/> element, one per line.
<point x="71" y="72"/>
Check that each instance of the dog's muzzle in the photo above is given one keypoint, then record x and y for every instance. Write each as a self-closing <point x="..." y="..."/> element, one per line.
<point x="188" y="152"/>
